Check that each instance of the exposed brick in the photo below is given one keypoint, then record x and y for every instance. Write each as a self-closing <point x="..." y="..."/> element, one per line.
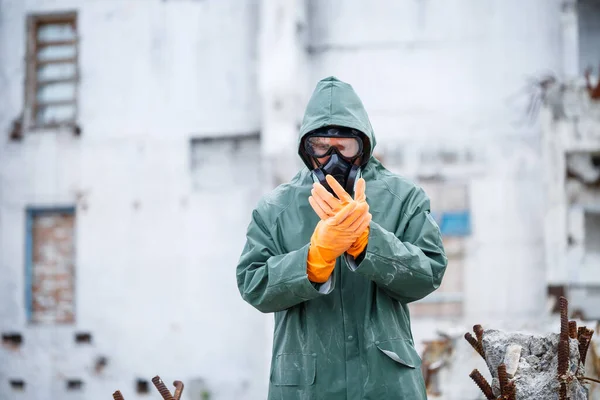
<point x="53" y="268"/>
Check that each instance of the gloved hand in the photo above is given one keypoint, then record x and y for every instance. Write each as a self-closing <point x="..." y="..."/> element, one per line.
<point x="326" y="206"/>
<point x="333" y="236"/>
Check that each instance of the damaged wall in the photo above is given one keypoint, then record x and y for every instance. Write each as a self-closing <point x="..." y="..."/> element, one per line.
<point x="571" y="137"/>
<point x="50" y="266"/>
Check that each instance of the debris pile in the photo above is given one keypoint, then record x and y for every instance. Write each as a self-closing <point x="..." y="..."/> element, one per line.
<point x="527" y="367"/>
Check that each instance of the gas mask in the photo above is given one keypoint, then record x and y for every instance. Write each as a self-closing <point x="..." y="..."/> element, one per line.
<point x="344" y="147"/>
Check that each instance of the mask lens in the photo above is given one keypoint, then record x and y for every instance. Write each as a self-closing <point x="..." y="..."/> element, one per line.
<point x="320" y="146"/>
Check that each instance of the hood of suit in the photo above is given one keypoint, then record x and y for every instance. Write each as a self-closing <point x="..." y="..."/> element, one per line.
<point x="335" y="103"/>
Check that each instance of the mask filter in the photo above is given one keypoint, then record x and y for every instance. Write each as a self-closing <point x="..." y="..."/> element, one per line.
<point x="343" y="171"/>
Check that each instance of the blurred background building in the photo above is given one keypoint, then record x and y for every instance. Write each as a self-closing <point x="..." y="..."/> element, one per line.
<point x="137" y="136"/>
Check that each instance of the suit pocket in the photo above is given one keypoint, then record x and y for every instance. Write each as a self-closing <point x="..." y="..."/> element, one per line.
<point x="294" y="369"/>
<point x="393" y="371"/>
<point x="401" y="351"/>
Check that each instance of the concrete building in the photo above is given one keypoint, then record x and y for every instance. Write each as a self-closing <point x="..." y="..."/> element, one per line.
<point x="138" y="135"/>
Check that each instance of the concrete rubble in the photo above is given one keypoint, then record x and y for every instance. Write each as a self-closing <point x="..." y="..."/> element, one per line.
<point x="527" y="366"/>
<point x="535" y="374"/>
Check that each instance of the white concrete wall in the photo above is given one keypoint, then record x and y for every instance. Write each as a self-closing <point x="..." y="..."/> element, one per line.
<point x="283" y="70"/>
<point x="439" y="75"/>
<point x="155" y="259"/>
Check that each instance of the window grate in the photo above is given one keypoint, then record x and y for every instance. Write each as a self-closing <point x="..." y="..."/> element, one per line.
<point x="52" y="70"/>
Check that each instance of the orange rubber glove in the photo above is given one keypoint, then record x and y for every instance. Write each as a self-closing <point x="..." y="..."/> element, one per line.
<point x="361" y="243"/>
<point x="326" y="206"/>
<point x="332" y="237"/>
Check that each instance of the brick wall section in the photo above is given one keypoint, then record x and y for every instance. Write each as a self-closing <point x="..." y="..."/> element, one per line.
<point x="53" y="268"/>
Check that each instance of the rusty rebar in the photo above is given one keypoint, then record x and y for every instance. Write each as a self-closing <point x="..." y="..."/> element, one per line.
<point x="583" y="349"/>
<point x="563" y="358"/>
<point x="483" y="385"/>
<point x="590" y="332"/>
<point x="503" y="378"/>
<point x="562" y="392"/>
<point x="580" y="331"/>
<point x="118" y="396"/>
<point x="584" y="343"/>
<point x="472" y="341"/>
<point x="162" y="389"/>
<point x="510" y="391"/>
<point x="478" y="329"/>
<point x="589" y="379"/>
<point x="573" y="329"/>
<point x="178" y="389"/>
<point x="563" y="305"/>
<point x="475" y="344"/>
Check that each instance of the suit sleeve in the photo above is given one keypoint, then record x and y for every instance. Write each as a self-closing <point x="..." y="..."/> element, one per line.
<point x="408" y="266"/>
<point x="270" y="281"/>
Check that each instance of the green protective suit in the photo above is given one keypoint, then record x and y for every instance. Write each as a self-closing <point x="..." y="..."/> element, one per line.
<point x="350" y="337"/>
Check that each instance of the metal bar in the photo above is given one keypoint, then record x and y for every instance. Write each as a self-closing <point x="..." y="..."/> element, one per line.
<point x="573" y="329"/>
<point x="54" y="81"/>
<point x="483" y="385"/>
<point x="48" y="43"/>
<point x="54" y="103"/>
<point x="118" y="396"/>
<point x="68" y="17"/>
<point x="69" y="60"/>
<point x="178" y="390"/>
<point x="503" y="378"/>
<point x="162" y="389"/>
<point x="589" y="379"/>
<point x="57" y="80"/>
<point x="564" y="318"/>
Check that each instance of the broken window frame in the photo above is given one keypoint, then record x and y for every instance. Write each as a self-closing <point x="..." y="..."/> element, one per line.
<point x="33" y="85"/>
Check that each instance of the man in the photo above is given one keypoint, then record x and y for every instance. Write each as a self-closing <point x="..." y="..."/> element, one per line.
<point x="338" y="271"/>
